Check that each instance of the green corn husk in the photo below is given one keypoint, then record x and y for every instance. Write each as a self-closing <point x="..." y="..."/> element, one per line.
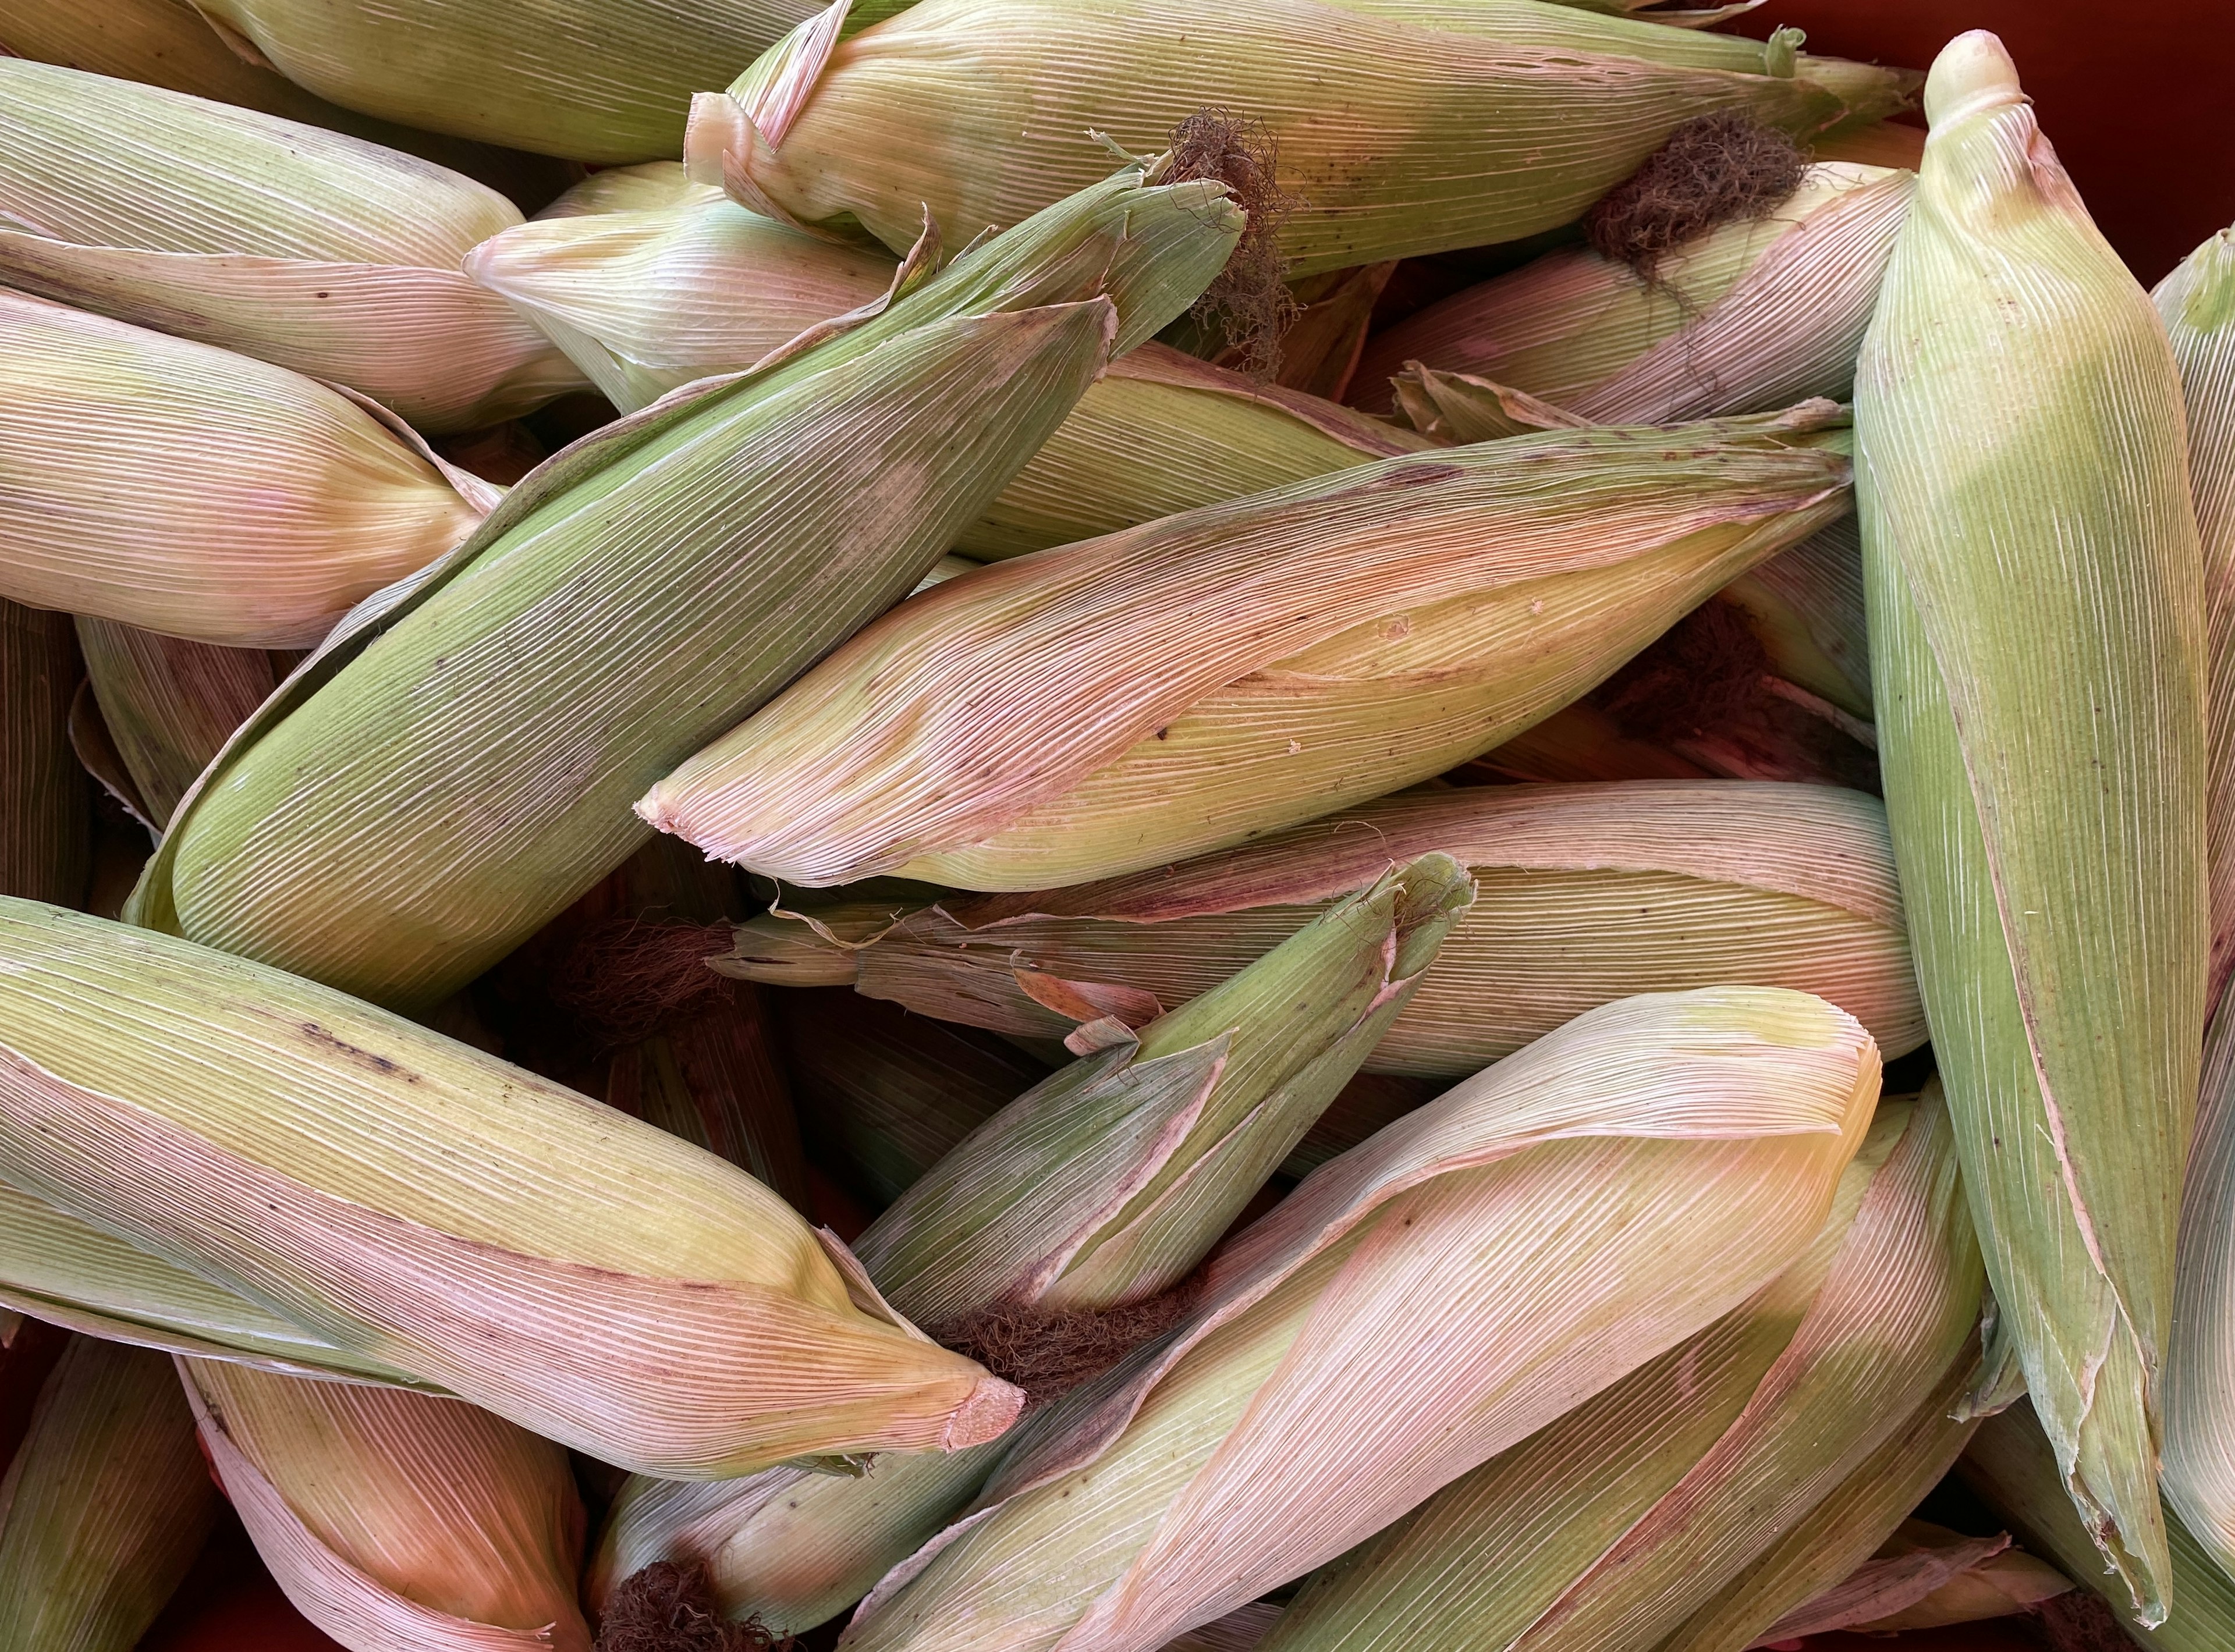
<point x="979" y="110"/>
<point x="2037" y="618"/>
<point x="315" y="251"/>
<point x="2013" y="1469"/>
<point x="46" y="824"/>
<point x="483" y="755"/>
<point x="1638" y="1517"/>
<point x="1245" y="666"/>
<point x="170" y="704"/>
<point x="396" y="1519"/>
<point x="1102" y="1186"/>
<point x="105" y="1506"/>
<point x="1926" y="1576"/>
<point x="1418" y="1306"/>
<point x="1754" y="315"/>
<point x="602" y="83"/>
<point x="1807" y="609"/>
<point x="649" y="188"/>
<point x="1585" y="894"/>
<point x="425" y="1207"/>
<point x="186" y="490"/>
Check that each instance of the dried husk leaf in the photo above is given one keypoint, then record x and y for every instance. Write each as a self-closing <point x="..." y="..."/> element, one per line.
<point x="189" y="490"/>
<point x="397" y="1522"/>
<point x="2037" y="618"/>
<point x="1754" y="315"/>
<point x="979" y="109"/>
<point x="465" y="726"/>
<point x="603" y="82"/>
<point x="46" y="820"/>
<point x="105" y="1506"/>
<point x="170" y="704"/>
<point x="1924" y="1577"/>
<point x="1244" y="666"/>
<point x="321" y="253"/>
<point x="423" y="1205"/>
<point x="1584" y="895"/>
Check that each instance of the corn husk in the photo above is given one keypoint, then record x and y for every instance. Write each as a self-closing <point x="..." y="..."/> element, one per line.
<point x="649" y="188"/>
<point x="315" y="251"/>
<point x="2038" y="648"/>
<point x="1620" y="1526"/>
<point x="1925" y="1576"/>
<point x="1881" y="143"/>
<point x="1807" y="609"/>
<point x="604" y="83"/>
<point x="45" y="818"/>
<point x="2013" y="1469"/>
<point x="1585" y="894"/>
<point x="979" y="110"/>
<point x="1418" y="1306"/>
<point x="186" y="490"/>
<point x="1243" y="667"/>
<point x="1101" y="1186"/>
<point x="170" y="704"/>
<point x="396" y="1519"/>
<point x="2199" y="1472"/>
<point x="105" y="1506"/>
<point x="485" y="755"/>
<point x="1754" y="315"/>
<point x="426" y="1207"/>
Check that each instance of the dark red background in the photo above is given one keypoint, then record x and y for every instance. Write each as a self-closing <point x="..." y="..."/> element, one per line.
<point x="2138" y="95"/>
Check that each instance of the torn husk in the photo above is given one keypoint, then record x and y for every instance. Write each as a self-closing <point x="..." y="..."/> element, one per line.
<point x="189" y="490"/>
<point x="1925" y="1576"/>
<point x="1634" y="1519"/>
<point x="323" y="254"/>
<point x="436" y="1211"/>
<point x="170" y="704"/>
<point x="394" y="1519"/>
<point x="1241" y="667"/>
<point x="1416" y="1306"/>
<point x="980" y="111"/>
<point x="2037" y="618"/>
<point x="1584" y="895"/>
<point x="46" y="821"/>
<point x="1754" y="314"/>
<point x="105" y="1506"/>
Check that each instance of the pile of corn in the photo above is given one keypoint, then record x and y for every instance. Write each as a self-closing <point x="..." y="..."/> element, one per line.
<point x="1024" y="847"/>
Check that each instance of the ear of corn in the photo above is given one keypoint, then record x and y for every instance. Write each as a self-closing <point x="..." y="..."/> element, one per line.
<point x="1754" y="315"/>
<point x="652" y="186"/>
<point x="105" y="1506"/>
<point x="2037" y="655"/>
<point x="315" y="251"/>
<point x="420" y="1204"/>
<point x="1584" y="894"/>
<point x="605" y="83"/>
<point x="1925" y="1576"/>
<point x="1244" y="666"/>
<point x="1523" y="1227"/>
<point x="396" y="1519"/>
<point x="979" y="109"/>
<point x="1646" y="1517"/>
<point x="1806" y="608"/>
<point x="186" y="490"/>
<point x="452" y="705"/>
<point x="169" y="704"/>
<point x="45" y="821"/>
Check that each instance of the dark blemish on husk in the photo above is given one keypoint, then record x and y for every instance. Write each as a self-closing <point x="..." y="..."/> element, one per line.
<point x="671" y="1607"/>
<point x="629" y="978"/>
<point x="1048" y="1352"/>
<point x="1250" y="301"/>
<point x="379" y="1063"/>
<point x="1715" y="170"/>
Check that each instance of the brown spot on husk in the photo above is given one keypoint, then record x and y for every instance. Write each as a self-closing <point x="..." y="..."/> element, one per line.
<point x="1249" y="303"/>
<point x="1048" y="1352"/>
<point x="1714" y="170"/>
<point x="628" y="978"/>
<point x="670" y="1607"/>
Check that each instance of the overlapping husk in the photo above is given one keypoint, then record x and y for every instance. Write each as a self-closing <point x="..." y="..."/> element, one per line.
<point x="1755" y="314"/>
<point x="1925" y="1576"/>
<point x="319" y="252"/>
<point x="1418" y="1306"/>
<point x="2036" y="618"/>
<point x="478" y="734"/>
<point x="1463" y="124"/>
<point x="189" y="490"/>
<point x="1584" y="895"/>
<point x="597" y="80"/>
<point x="426" y="1208"/>
<point x="1807" y="608"/>
<point x="1648" y="1517"/>
<point x="105" y="1506"/>
<point x="1100" y="1188"/>
<point x="1168" y="689"/>
<point x="169" y="705"/>
<point x="397" y="1520"/>
<point x="46" y="820"/>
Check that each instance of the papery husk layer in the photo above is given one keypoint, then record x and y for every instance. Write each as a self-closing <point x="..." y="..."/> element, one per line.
<point x="170" y="704"/>
<point x="46" y="822"/>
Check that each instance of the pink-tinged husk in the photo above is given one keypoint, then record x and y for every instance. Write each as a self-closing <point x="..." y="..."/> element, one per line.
<point x="1925" y="1576"/>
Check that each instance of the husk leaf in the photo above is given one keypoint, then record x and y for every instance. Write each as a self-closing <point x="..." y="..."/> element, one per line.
<point x="46" y="820"/>
<point x="1923" y="1576"/>
<point x="170" y="704"/>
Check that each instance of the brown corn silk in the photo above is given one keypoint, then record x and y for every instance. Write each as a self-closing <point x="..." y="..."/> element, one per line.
<point x="1155" y="694"/>
<point x="45" y="816"/>
<point x="1584" y="895"/>
<point x="397" y="1519"/>
<point x="169" y="705"/>
<point x="2061" y="944"/>
<point x="105" y="1506"/>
